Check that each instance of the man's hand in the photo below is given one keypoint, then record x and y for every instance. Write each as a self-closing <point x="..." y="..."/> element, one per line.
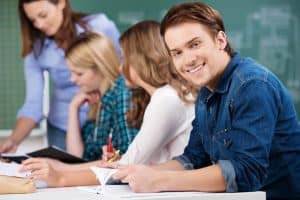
<point x="140" y="178"/>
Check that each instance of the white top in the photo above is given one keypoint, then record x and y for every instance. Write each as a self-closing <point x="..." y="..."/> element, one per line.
<point x="165" y="130"/>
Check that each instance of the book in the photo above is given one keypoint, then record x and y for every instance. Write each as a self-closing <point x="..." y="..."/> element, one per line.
<point x="49" y="152"/>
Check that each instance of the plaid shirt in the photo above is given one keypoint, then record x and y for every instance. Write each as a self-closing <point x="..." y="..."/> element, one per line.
<point x="115" y="104"/>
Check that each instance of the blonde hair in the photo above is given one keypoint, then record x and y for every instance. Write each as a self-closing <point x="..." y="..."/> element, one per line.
<point x="95" y="51"/>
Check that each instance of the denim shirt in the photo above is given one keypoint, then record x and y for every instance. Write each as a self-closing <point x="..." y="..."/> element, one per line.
<point x="247" y="125"/>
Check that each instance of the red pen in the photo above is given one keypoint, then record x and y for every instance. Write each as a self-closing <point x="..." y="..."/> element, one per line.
<point x="109" y="145"/>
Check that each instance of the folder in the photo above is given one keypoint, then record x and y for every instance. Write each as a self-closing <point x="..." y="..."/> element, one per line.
<point x="49" y="152"/>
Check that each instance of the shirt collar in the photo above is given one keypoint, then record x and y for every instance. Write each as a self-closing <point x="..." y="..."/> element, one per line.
<point x="224" y="82"/>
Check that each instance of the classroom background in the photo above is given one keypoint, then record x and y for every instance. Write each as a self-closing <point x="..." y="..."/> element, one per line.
<point x="267" y="30"/>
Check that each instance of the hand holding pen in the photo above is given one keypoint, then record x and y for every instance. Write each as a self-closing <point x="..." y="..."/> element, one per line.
<point x="109" y="154"/>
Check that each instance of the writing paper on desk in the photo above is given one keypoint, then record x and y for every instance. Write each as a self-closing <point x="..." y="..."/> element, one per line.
<point x="12" y="169"/>
<point x="103" y="174"/>
<point x="124" y="192"/>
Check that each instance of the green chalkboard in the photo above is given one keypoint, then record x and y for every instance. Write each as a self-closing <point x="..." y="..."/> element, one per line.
<point x="12" y="87"/>
<point x="267" y="30"/>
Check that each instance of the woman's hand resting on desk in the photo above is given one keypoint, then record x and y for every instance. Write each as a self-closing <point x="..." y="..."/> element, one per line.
<point x="48" y="170"/>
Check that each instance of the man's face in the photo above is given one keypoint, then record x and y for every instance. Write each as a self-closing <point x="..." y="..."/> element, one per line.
<point x="198" y="56"/>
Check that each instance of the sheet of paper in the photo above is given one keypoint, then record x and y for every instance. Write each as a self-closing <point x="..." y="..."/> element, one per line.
<point x="103" y="174"/>
<point x="124" y="192"/>
<point x="12" y="169"/>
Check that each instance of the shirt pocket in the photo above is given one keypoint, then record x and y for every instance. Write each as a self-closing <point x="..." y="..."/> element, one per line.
<point x="223" y="138"/>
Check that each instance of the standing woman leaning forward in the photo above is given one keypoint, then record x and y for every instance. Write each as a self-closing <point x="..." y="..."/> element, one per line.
<point x="48" y="27"/>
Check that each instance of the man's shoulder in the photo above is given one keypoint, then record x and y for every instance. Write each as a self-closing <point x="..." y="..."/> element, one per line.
<point x="248" y="70"/>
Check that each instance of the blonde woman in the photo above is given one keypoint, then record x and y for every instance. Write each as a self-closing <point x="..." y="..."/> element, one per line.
<point x="94" y="66"/>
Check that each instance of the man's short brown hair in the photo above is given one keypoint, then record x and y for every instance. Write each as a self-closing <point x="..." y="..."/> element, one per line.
<point x="195" y="12"/>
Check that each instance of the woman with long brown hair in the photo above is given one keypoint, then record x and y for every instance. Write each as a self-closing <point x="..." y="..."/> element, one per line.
<point x="48" y="28"/>
<point x="168" y="116"/>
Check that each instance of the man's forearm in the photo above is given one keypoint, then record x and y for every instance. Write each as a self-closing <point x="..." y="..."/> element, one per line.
<point x="208" y="179"/>
<point x="170" y="165"/>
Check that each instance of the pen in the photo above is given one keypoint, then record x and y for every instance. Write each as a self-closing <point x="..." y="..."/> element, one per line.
<point x="116" y="154"/>
<point x="109" y="145"/>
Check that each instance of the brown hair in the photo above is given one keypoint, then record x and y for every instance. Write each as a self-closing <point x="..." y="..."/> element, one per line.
<point x="144" y="50"/>
<point x="195" y="12"/>
<point x="33" y="39"/>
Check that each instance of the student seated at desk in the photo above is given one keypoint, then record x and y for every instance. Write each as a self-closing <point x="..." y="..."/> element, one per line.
<point x="245" y="137"/>
<point x="94" y="66"/>
<point x="167" y="120"/>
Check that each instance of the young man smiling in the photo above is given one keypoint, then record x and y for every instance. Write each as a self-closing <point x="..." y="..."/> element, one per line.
<point x="245" y="137"/>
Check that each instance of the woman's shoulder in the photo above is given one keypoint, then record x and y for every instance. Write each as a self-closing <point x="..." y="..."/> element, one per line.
<point x="97" y="20"/>
<point x="166" y="91"/>
<point x="118" y="88"/>
<point x="119" y="84"/>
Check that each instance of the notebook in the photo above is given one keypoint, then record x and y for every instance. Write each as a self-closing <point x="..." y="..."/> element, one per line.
<point x="49" y="152"/>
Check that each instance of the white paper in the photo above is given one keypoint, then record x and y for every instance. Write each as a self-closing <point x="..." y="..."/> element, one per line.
<point x="103" y="174"/>
<point x="124" y="192"/>
<point x="12" y="169"/>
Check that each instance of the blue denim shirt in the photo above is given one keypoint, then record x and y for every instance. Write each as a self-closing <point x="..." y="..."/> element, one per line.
<point x="248" y="125"/>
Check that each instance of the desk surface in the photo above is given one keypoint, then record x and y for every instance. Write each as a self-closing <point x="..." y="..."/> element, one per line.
<point x="74" y="193"/>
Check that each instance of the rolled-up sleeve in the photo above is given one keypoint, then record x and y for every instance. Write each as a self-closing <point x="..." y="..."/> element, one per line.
<point x="185" y="161"/>
<point x="229" y="175"/>
<point x="253" y="130"/>
<point x="34" y="80"/>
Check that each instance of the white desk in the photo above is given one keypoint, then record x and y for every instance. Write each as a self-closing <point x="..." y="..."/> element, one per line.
<point x="73" y="193"/>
